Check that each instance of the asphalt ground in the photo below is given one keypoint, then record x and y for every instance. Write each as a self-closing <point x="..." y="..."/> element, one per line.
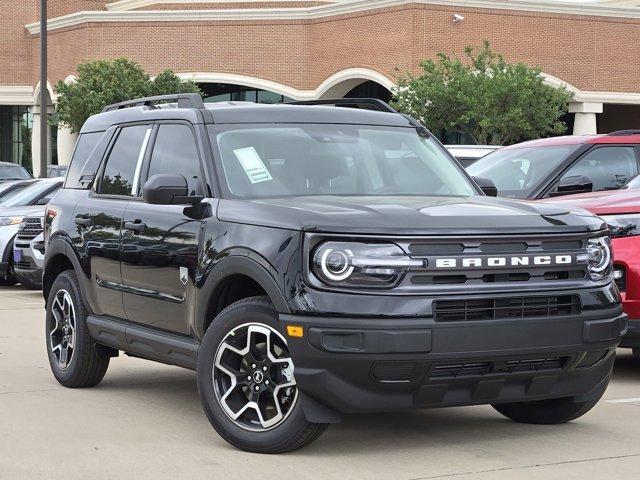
<point x="144" y="421"/>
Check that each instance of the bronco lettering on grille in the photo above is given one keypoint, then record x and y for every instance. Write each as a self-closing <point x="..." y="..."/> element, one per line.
<point x="516" y="261"/>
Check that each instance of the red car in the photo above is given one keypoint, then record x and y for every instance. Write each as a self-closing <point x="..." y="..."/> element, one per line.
<point x="621" y="211"/>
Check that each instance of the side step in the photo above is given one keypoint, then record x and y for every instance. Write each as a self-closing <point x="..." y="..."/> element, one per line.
<point x="144" y="342"/>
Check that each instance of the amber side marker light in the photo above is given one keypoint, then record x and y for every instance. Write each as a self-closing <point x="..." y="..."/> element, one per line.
<point x="295" y="331"/>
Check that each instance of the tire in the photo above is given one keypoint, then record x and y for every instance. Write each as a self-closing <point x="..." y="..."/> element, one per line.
<point x="252" y="318"/>
<point x="85" y="364"/>
<point x="547" y="412"/>
<point x="26" y="283"/>
<point x="9" y="278"/>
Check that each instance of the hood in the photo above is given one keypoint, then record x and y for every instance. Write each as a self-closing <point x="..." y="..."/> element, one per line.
<point x="407" y="215"/>
<point x="602" y="203"/>
<point x="30" y="210"/>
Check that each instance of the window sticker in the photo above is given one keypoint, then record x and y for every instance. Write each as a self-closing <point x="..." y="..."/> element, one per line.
<point x="253" y="165"/>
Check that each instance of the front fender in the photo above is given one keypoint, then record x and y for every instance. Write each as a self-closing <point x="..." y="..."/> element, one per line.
<point x="236" y="265"/>
<point x="60" y="246"/>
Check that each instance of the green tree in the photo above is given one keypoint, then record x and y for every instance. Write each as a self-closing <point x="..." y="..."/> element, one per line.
<point x="482" y="95"/>
<point x="103" y="82"/>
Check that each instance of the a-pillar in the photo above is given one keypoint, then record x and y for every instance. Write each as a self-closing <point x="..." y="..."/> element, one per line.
<point x="585" y="117"/>
<point x="35" y="141"/>
<point x="66" y="144"/>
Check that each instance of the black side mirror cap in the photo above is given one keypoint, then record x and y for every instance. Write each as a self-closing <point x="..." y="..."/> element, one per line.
<point x="43" y="201"/>
<point x="487" y="186"/>
<point x="571" y="185"/>
<point x="168" y="189"/>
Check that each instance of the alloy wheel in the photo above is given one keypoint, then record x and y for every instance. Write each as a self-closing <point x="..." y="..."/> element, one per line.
<point x="253" y="377"/>
<point x="62" y="329"/>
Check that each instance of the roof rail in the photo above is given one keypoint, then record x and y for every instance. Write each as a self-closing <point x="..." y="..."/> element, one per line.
<point x="364" y="103"/>
<point x="185" y="100"/>
<point x="622" y="133"/>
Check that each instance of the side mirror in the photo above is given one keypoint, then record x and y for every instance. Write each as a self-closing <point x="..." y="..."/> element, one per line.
<point x="168" y="189"/>
<point x="487" y="186"/>
<point x="43" y="201"/>
<point x="571" y="185"/>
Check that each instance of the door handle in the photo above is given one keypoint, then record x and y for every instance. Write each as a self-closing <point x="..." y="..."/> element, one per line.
<point x="83" y="222"/>
<point x="135" y="226"/>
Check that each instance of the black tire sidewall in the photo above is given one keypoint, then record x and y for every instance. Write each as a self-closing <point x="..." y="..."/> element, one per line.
<point x="253" y="311"/>
<point x="68" y="281"/>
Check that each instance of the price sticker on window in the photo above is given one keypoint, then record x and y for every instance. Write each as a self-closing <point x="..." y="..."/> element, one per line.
<point x="253" y="165"/>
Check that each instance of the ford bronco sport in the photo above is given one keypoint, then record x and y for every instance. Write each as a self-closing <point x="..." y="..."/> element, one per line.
<point x="310" y="261"/>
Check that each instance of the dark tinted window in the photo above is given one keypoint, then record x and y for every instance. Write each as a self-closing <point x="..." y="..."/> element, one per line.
<point x="123" y="165"/>
<point x="609" y="168"/>
<point x="33" y="193"/>
<point x="175" y="151"/>
<point x="84" y="147"/>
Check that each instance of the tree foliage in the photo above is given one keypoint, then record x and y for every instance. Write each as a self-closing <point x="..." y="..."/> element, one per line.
<point x="103" y="82"/>
<point x="483" y="95"/>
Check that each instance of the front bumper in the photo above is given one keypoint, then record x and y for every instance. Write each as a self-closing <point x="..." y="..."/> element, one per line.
<point x="353" y="365"/>
<point x="631" y="339"/>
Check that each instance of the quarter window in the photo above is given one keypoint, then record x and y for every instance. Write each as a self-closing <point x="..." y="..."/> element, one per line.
<point x="174" y="152"/>
<point x="122" y="171"/>
<point x="609" y="168"/>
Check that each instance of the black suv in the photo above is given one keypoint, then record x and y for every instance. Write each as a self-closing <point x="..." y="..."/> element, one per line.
<point x="310" y="261"/>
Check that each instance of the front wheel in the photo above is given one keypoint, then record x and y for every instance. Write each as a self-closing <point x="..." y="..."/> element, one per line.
<point x="246" y="381"/>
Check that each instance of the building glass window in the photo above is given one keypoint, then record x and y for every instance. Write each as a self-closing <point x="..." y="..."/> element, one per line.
<point x="16" y="123"/>
<point x="225" y="92"/>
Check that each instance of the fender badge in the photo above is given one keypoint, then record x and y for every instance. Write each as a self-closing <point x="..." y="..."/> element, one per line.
<point x="184" y="275"/>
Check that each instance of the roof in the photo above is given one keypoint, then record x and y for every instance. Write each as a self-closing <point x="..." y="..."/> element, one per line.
<point x="580" y="140"/>
<point x="603" y="203"/>
<point x="245" y="113"/>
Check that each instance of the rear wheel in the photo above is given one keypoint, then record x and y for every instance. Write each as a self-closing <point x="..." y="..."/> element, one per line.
<point x="246" y="381"/>
<point x="9" y="278"/>
<point x="75" y="360"/>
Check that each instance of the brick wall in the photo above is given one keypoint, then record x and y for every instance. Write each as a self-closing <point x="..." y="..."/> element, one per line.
<point x="592" y="53"/>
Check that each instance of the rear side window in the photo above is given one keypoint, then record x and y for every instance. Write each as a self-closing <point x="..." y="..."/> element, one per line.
<point x="122" y="170"/>
<point x="84" y="147"/>
<point x="175" y="151"/>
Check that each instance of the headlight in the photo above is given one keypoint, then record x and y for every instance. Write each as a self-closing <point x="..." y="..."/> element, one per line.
<point x="623" y="225"/>
<point x="599" y="259"/>
<point x="361" y="264"/>
<point x="4" y="221"/>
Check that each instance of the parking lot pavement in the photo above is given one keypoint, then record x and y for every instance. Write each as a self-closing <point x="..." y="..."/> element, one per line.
<point x="145" y="421"/>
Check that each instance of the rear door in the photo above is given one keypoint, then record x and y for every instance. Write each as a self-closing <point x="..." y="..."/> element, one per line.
<point x="160" y="243"/>
<point x="99" y="218"/>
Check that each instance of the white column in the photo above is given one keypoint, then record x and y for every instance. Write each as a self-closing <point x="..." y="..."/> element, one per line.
<point x="35" y="141"/>
<point x="585" y="119"/>
<point x="66" y="144"/>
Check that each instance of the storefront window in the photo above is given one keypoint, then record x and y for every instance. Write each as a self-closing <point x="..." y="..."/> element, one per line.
<point x="16" y="123"/>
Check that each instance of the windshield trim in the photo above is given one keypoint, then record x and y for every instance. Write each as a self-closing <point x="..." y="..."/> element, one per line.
<point x="224" y="191"/>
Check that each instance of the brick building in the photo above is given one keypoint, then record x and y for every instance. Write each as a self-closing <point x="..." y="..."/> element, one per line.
<point x="274" y="50"/>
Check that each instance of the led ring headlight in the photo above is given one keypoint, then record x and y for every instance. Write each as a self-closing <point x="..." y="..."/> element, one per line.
<point x="338" y="267"/>
<point x="599" y="255"/>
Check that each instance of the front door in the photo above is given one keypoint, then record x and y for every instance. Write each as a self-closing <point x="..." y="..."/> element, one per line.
<point x="160" y="243"/>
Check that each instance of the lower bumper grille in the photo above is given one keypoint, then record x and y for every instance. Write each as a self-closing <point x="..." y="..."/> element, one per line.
<point x="475" y="369"/>
<point x="505" y="308"/>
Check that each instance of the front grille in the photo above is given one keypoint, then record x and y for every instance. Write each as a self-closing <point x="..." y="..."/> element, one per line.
<point x="505" y="308"/>
<point x="30" y="228"/>
<point x="478" y="369"/>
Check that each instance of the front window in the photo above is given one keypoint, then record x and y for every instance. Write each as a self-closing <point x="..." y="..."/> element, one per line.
<point x="517" y="172"/>
<point x="345" y="160"/>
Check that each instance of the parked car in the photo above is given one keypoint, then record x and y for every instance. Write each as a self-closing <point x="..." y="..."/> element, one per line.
<point x="13" y="171"/>
<point x="324" y="261"/>
<point x="621" y="211"/>
<point x="557" y="166"/>
<point x="30" y="201"/>
<point x="469" y="154"/>
<point x="28" y="252"/>
<point x="54" y="171"/>
<point x="11" y="188"/>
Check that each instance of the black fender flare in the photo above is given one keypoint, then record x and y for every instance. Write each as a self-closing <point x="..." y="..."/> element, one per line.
<point x="59" y="246"/>
<point x="236" y="265"/>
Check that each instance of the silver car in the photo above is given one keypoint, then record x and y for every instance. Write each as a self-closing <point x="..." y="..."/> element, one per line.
<point x="28" y="252"/>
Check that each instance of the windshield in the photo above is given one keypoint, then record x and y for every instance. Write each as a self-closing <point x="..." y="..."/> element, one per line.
<point x="13" y="172"/>
<point x="517" y="172"/>
<point x="30" y="194"/>
<point x="11" y="191"/>
<point x="346" y="160"/>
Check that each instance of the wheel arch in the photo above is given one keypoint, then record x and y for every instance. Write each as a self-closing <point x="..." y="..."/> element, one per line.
<point x="235" y="268"/>
<point x="58" y="258"/>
